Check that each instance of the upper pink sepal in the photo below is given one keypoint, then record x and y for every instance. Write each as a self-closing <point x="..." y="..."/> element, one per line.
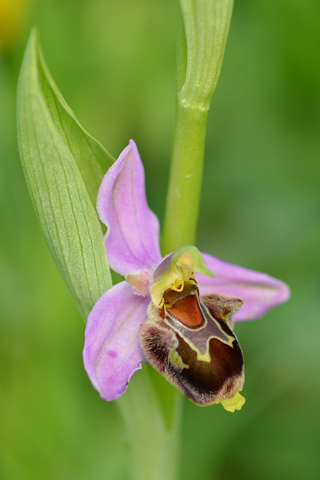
<point x="132" y="239"/>
<point x="112" y="352"/>
<point x="259" y="291"/>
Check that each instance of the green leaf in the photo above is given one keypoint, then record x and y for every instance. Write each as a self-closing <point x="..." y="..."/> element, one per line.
<point x="63" y="167"/>
<point x="201" y="49"/>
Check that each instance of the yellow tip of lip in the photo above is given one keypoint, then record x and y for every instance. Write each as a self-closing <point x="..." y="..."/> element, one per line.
<point x="234" y="403"/>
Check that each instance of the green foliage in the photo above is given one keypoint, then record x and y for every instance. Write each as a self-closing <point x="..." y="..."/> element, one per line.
<point x="206" y="27"/>
<point x="202" y="40"/>
<point x="63" y="167"/>
<point x="259" y="209"/>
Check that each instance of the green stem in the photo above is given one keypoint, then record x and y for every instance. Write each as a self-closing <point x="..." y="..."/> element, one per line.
<point x="153" y="437"/>
<point x="202" y="39"/>
<point x="183" y="197"/>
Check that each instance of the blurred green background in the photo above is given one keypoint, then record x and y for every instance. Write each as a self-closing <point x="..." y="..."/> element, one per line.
<point x="114" y="62"/>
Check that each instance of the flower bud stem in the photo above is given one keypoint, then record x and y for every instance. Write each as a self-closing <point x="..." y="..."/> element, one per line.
<point x="201" y="44"/>
<point x="185" y="177"/>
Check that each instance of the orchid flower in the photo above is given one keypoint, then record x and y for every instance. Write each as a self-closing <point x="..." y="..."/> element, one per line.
<point x="176" y="313"/>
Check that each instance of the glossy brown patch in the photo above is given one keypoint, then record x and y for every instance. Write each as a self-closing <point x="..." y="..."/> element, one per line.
<point x="187" y="311"/>
<point x="206" y="382"/>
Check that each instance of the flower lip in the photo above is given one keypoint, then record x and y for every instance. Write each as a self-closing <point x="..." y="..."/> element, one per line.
<point x="202" y="357"/>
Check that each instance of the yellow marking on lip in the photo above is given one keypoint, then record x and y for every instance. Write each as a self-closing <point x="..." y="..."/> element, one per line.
<point x="203" y="357"/>
<point x="177" y="360"/>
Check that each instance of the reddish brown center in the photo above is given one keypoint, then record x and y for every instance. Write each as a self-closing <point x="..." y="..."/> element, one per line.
<point x="186" y="310"/>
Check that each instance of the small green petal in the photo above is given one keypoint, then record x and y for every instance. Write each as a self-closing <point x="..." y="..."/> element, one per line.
<point x="176" y="270"/>
<point x="189" y="256"/>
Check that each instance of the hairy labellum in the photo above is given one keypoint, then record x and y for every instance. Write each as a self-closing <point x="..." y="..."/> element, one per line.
<point x="190" y="342"/>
